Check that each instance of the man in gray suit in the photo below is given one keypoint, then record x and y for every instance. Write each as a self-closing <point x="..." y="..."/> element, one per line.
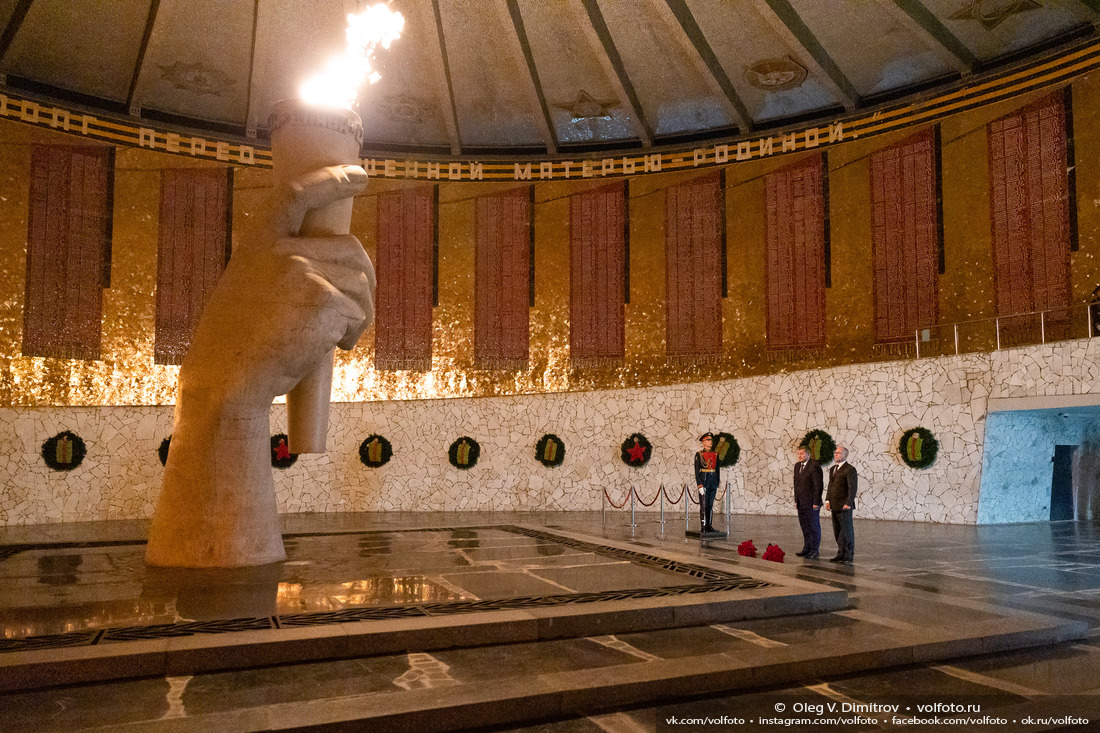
<point x="807" y="500"/>
<point x="840" y="499"/>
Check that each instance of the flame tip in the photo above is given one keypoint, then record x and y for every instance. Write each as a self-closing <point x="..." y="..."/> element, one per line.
<point x="337" y="85"/>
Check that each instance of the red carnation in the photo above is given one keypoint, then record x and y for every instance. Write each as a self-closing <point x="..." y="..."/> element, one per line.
<point x="747" y="548"/>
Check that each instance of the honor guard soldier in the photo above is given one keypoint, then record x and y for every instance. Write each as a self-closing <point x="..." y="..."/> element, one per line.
<point x="706" y="477"/>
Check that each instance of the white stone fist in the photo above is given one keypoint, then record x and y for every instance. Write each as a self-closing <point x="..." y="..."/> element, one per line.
<point x="281" y="305"/>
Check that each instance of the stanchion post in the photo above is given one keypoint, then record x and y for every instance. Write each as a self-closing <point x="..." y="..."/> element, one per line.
<point x="687" y="526"/>
<point x="633" y="524"/>
<point x="727" y="507"/>
<point x="726" y="501"/>
<point x="603" y="506"/>
<point x="662" y="508"/>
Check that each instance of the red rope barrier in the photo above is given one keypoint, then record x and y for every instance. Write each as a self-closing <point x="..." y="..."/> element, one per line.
<point x="613" y="504"/>
<point x="662" y="490"/>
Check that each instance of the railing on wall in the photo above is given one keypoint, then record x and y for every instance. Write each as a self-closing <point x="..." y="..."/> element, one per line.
<point x="686" y="496"/>
<point x="1005" y="332"/>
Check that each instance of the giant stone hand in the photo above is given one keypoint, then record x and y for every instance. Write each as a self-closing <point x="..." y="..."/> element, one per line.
<point x="280" y="306"/>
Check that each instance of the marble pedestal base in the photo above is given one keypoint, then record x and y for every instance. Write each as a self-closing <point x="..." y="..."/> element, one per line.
<point x="716" y="535"/>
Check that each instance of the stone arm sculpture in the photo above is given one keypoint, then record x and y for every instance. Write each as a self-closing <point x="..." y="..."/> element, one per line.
<point x="279" y="307"/>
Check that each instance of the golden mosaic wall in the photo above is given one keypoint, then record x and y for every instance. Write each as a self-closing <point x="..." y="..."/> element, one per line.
<point x="127" y="375"/>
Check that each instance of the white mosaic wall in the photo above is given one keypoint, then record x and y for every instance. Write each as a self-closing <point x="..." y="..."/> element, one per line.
<point x="865" y="406"/>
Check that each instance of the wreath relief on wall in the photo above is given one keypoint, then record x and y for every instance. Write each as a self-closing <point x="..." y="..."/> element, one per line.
<point x="375" y="451"/>
<point x="636" y="450"/>
<point x="725" y="445"/>
<point x="820" y="445"/>
<point x="162" y="451"/>
<point x="64" y="451"/>
<point x="550" y="450"/>
<point x="464" y="452"/>
<point x="281" y="457"/>
<point x="918" y="448"/>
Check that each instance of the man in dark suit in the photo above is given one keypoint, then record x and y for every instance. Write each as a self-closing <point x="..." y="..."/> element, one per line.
<point x="807" y="500"/>
<point x="840" y="499"/>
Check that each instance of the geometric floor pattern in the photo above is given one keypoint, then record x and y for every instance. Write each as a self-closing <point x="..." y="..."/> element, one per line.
<point x="503" y="560"/>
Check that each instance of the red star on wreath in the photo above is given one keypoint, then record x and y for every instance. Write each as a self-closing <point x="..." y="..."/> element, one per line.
<point x="637" y="453"/>
<point x="282" y="451"/>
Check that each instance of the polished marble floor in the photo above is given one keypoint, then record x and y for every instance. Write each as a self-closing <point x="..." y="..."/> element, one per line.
<point x="57" y="588"/>
<point x="902" y="569"/>
<point x="906" y="577"/>
<point x="58" y="593"/>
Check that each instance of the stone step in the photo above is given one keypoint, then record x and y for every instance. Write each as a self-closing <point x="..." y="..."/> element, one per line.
<point x="194" y="652"/>
<point x="449" y="704"/>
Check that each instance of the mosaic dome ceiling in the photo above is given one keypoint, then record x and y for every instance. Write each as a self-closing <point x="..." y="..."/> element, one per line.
<point x="524" y="76"/>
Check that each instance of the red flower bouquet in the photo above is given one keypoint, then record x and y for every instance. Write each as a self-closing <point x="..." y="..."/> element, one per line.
<point x="747" y="548"/>
<point x="774" y="554"/>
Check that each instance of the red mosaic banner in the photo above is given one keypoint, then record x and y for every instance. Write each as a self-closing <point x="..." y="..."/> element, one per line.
<point x="1029" y="202"/>
<point x="597" y="248"/>
<point x="192" y="249"/>
<point x="693" y="254"/>
<point x="403" y="322"/>
<point x="502" y="280"/>
<point x="794" y="238"/>
<point x="68" y="250"/>
<point x="904" y="238"/>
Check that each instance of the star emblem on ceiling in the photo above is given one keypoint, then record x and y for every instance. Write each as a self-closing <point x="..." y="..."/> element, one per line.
<point x="404" y="108"/>
<point x="587" y="107"/>
<point x="196" y="77"/>
<point x="991" y="13"/>
<point x="775" y="75"/>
